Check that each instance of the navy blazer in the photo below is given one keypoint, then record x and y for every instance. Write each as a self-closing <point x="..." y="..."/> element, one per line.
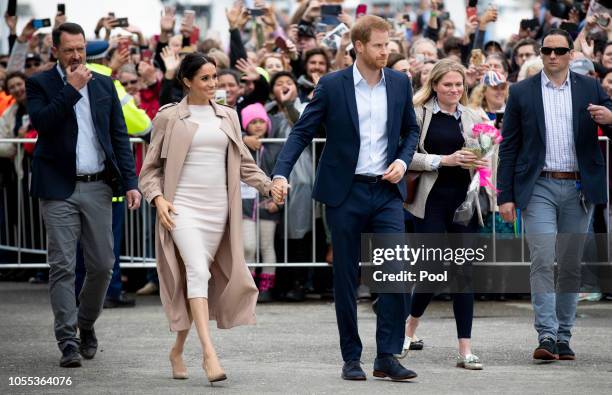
<point x="523" y="150"/>
<point x="334" y="105"/>
<point x="51" y="108"/>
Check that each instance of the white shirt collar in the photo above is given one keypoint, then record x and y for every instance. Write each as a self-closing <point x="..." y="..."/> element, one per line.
<point x="456" y="114"/>
<point x="548" y="83"/>
<point x="357" y="77"/>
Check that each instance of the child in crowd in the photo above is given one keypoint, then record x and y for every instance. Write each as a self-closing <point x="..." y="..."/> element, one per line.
<point x="257" y="125"/>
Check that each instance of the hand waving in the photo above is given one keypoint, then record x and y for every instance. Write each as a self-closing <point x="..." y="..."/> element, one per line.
<point x="249" y="69"/>
<point x="171" y="59"/>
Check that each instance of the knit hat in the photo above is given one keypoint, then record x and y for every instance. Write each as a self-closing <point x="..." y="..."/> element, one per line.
<point x="493" y="78"/>
<point x="255" y="111"/>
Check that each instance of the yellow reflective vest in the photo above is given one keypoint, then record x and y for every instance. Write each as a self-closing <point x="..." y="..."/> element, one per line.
<point x="137" y="121"/>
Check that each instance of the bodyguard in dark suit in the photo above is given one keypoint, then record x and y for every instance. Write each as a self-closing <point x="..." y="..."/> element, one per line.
<point x="371" y="137"/>
<point x="82" y="150"/>
<point x="552" y="168"/>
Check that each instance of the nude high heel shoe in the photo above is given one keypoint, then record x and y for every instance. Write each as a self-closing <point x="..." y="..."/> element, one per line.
<point x="213" y="373"/>
<point x="179" y="371"/>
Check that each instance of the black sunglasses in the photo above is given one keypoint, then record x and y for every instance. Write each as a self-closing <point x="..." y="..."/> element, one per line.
<point x="559" y="51"/>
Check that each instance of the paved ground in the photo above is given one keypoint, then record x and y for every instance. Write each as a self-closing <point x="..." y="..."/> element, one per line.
<point x="294" y="349"/>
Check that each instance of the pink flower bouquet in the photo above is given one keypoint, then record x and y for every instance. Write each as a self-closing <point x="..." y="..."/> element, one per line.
<point x="484" y="139"/>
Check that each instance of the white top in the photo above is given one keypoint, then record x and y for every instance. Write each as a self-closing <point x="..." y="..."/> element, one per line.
<point x="205" y="162"/>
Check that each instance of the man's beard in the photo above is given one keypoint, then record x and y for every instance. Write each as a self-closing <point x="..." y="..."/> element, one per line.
<point x="375" y="63"/>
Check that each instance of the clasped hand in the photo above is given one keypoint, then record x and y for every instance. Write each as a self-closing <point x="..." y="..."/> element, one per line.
<point x="280" y="188"/>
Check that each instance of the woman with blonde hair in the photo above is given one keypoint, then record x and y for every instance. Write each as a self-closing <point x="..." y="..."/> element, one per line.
<point x="447" y="169"/>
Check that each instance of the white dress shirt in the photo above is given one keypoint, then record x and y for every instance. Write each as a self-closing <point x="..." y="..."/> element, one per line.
<point x="90" y="156"/>
<point x="558" y="117"/>
<point x="372" y="114"/>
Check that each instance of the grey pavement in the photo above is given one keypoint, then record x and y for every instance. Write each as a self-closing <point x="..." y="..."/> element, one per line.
<point x="294" y="349"/>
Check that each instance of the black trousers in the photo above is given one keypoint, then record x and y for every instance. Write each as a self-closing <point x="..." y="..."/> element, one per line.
<point x="440" y="209"/>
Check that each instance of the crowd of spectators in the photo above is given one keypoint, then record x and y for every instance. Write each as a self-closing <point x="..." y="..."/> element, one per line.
<point x="268" y="73"/>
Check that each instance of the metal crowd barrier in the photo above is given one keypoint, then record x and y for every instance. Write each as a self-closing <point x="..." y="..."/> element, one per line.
<point x="27" y="238"/>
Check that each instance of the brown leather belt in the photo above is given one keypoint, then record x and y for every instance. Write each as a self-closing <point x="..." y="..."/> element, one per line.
<point x="561" y="175"/>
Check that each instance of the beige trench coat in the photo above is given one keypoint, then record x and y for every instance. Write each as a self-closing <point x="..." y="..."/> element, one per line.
<point x="232" y="293"/>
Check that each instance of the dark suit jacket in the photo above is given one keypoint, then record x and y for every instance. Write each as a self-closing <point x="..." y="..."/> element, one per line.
<point x="522" y="152"/>
<point x="51" y="108"/>
<point x="334" y="105"/>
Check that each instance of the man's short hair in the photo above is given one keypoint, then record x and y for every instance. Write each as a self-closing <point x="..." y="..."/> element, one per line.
<point x="362" y="29"/>
<point x="524" y="42"/>
<point x="560" y="32"/>
<point x="66" y="27"/>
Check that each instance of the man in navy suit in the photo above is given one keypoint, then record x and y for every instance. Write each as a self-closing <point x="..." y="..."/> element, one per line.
<point x="82" y="154"/>
<point x="371" y="137"/>
<point x="552" y="168"/>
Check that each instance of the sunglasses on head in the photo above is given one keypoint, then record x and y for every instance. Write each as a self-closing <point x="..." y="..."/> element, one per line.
<point x="559" y="51"/>
<point x="130" y="82"/>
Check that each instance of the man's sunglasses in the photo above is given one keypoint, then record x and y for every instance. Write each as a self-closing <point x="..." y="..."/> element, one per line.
<point x="29" y="65"/>
<point x="559" y="51"/>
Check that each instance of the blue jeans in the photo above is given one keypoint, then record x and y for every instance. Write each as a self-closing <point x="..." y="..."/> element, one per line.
<point x="556" y="224"/>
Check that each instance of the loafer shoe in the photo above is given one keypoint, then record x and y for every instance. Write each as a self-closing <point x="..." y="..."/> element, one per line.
<point x="470" y="362"/>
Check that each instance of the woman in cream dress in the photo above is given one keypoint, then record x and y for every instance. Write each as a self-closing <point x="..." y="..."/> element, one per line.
<point x="191" y="174"/>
